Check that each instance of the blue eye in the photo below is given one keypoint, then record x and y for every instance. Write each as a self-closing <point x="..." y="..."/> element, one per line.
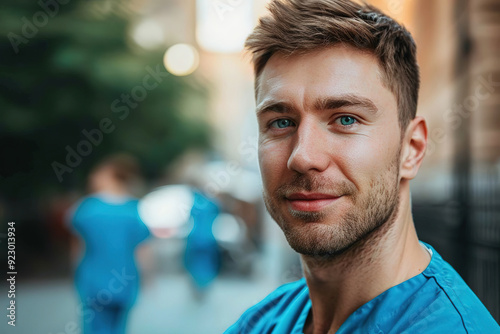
<point x="347" y="120"/>
<point x="281" y="123"/>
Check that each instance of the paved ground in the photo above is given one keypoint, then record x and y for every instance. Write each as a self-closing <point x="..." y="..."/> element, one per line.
<point x="166" y="305"/>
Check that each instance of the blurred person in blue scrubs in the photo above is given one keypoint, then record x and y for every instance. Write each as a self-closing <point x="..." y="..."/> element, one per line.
<point x="202" y="257"/>
<point x="339" y="141"/>
<point x="107" y="221"/>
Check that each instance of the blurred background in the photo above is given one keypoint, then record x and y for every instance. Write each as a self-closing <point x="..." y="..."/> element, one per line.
<point x="167" y="82"/>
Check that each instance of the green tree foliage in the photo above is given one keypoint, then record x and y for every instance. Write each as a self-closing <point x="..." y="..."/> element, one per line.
<point x="66" y="70"/>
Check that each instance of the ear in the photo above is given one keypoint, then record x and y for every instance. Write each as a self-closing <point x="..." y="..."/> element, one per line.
<point x="414" y="147"/>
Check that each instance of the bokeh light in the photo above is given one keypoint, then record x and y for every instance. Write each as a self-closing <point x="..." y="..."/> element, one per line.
<point x="148" y="34"/>
<point x="229" y="228"/>
<point x="181" y="59"/>
<point x="166" y="208"/>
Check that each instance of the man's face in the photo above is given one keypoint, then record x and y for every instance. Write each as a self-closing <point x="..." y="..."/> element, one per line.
<point x="329" y="148"/>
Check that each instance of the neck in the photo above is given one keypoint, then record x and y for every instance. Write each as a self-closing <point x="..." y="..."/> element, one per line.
<point x="338" y="286"/>
<point x="113" y="189"/>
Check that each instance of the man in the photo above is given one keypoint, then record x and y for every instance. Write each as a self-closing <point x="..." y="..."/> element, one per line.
<point x="339" y="141"/>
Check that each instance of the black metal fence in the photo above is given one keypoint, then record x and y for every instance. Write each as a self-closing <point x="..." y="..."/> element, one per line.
<point x="471" y="244"/>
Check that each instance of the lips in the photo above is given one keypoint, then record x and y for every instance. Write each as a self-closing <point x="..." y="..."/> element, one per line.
<point x="310" y="201"/>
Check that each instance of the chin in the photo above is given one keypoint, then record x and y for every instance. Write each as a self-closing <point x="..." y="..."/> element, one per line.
<point x="316" y="239"/>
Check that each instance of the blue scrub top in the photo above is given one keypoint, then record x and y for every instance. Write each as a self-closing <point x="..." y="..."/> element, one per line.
<point x="435" y="301"/>
<point x="202" y="257"/>
<point x="111" y="229"/>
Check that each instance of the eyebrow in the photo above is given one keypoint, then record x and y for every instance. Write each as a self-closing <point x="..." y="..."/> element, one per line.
<point x="330" y="103"/>
<point x="274" y="106"/>
<point x="327" y="103"/>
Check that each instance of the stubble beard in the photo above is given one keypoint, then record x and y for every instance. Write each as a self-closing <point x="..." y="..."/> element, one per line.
<point x="310" y="234"/>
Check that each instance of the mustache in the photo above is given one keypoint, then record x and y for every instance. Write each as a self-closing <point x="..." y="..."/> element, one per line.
<point x="315" y="184"/>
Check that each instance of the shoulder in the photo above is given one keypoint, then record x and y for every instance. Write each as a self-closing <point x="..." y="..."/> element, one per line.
<point x="462" y="303"/>
<point x="202" y="202"/>
<point x="436" y="301"/>
<point x="80" y="206"/>
<point x="264" y="316"/>
<point x="444" y="303"/>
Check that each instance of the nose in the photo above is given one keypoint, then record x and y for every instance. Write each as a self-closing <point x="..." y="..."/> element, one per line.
<point x="310" y="151"/>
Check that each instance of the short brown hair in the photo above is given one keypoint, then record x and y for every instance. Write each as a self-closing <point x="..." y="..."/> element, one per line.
<point x="299" y="26"/>
<point x="124" y="167"/>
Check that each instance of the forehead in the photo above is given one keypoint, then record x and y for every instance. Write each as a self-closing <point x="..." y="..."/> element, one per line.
<point x="333" y="71"/>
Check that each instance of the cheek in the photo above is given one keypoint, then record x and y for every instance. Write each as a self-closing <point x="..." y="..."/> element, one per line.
<point x="272" y="161"/>
<point x="369" y="158"/>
